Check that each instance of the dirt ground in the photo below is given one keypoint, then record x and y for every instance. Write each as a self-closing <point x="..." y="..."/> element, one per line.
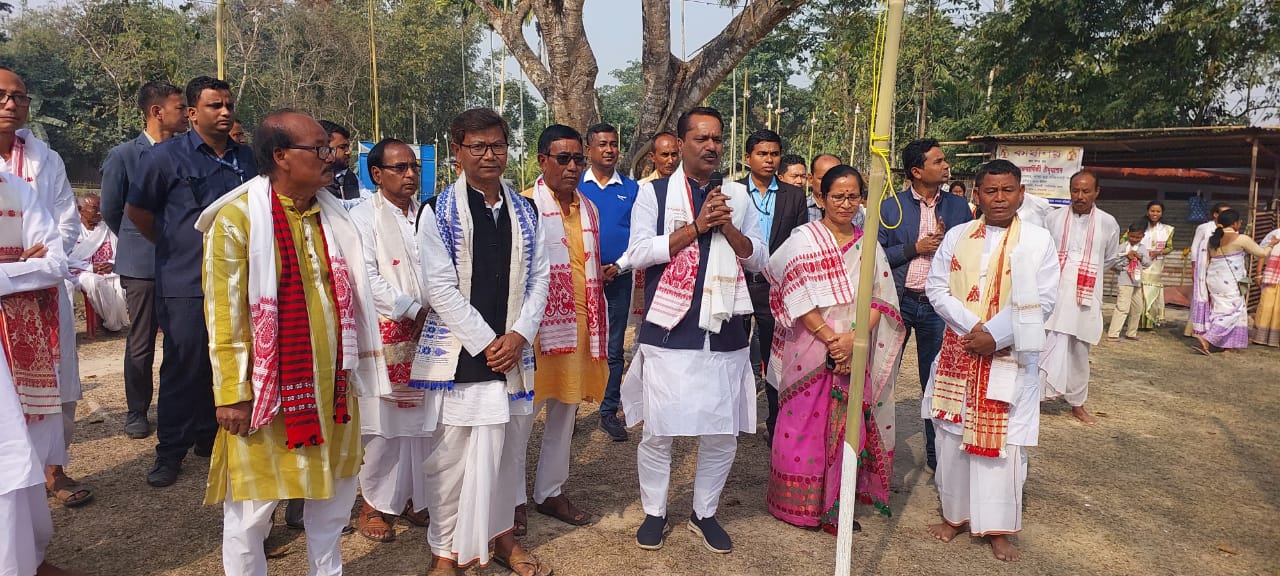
<point x="1180" y="477"/>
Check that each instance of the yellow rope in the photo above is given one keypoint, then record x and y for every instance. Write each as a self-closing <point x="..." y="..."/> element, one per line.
<point x="875" y="142"/>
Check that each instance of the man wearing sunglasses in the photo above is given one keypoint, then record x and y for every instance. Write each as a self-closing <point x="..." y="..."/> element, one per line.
<point x="345" y="185"/>
<point x="613" y="194"/>
<point x="180" y="178"/>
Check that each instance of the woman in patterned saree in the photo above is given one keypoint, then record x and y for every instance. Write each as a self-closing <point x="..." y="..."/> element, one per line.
<point x="1228" y="326"/>
<point x="814" y="278"/>
<point x="1266" y="323"/>
<point x="1159" y="242"/>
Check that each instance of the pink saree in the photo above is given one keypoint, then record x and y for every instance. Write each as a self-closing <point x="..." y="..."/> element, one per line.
<point x="810" y="272"/>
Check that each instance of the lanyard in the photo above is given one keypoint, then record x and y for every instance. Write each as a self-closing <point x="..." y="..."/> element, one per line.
<point x="759" y="207"/>
<point x="233" y="165"/>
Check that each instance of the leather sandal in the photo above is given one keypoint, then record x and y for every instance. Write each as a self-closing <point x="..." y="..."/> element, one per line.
<point x="523" y="558"/>
<point x="372" y="520"/>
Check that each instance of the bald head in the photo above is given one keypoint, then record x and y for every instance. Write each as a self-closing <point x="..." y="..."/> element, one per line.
<point x="90" y="210"/>
<point x="821" y="163"/>
<point x="293" y="150"/>
<point x="13" y="114"/>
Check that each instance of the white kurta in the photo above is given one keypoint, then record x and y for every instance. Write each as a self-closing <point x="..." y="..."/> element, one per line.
<point x="1024" y="414"/>
<point x="44" y="170"/>
<point x="103" y="290"/>
<point x="1036" y="210"/>
<point x="1084" y="321"/>
<point x="987" y="492"/>
<point x="690" y="392"/>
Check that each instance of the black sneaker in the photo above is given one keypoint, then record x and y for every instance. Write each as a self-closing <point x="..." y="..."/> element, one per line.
<point x="293" y="513"/>
<point x="652" y="533"/>
<point x="613" y="427"/>
<point x="165" y="473"/>
<point x="136" y="426"/>
<point x="713" y="536"/>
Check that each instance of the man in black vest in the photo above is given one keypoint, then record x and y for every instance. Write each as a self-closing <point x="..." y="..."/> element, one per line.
<point x="779" y="207"/>
<point x="691" y="375"/>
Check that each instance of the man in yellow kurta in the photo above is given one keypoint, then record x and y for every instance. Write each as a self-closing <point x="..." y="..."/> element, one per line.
<point x="573" y="362"/>
<point x="292" y="339"/>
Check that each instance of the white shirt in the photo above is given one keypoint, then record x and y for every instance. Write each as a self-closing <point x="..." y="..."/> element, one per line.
<point x="1035" y="210"/>
<point x="390" y="300"/>
<point x="46" y="173"/>
<point x="1082" y="321"/>
<point x="648" y="247"/>
<point x="1024" y="413"/>
<point x="590" y="176"/>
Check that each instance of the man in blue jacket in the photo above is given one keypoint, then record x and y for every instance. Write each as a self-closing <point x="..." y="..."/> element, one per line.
<point x="911" y="228"/>
<point x="165" y="114"/>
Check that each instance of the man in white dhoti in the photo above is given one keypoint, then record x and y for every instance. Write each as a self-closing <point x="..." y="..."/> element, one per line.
<point x="486" y="273"/>
<point x="1088" y="241"/>
<point x="993" y="281"/>
<point x="692" y="373"/>
<point x="30" y="159"/>
<point x="393" y="428"/>
<point x="32" y="268"/>
<point x="92" y="263"/>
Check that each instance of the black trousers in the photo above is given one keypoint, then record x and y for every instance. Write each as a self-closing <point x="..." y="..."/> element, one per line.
<point x="140" y="344"/>
<point x="762" y="341"/>
<point x="184" y="411"/>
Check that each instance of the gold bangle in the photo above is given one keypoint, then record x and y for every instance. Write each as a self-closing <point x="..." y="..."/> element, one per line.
<point x="815" y="331"/>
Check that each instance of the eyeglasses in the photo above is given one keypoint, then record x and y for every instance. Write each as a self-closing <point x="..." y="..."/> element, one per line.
<point x="322" y="152"/>
<point x="479" y="149"/>
<point x="850" y="200"/>
<point x="402" y="167"/>
<point x="18" y="98"/>
<point x="564" y="158"/>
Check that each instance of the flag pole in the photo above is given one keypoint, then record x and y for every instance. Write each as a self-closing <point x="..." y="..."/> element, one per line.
<point x="876" y="186"/>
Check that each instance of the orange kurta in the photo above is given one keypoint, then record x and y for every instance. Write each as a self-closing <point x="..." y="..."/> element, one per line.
<point x="575" y="377"/>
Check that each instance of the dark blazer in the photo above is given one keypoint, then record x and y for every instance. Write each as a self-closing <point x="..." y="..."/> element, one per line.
<point x="790" y="210"/>
<point x="900" y="242"/>
<point x="135" y="255"/>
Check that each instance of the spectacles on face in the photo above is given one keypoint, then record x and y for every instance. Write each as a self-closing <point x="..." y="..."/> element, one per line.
<point x="479" y="149"/>
<point x="852" y="200"/>
<point x="322" y="152"/>
<point x="18" y="98"/>
<point x="564" y="158"/>
<point x="402" y="167"/>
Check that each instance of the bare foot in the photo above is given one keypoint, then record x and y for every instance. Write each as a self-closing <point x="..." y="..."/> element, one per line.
<point x="946" y="532"/>
<point x="1083" y="415"/>
<point x="1004" y="549"/>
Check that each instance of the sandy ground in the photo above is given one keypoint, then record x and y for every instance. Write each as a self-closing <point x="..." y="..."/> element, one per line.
<point x="1180" y="477"/>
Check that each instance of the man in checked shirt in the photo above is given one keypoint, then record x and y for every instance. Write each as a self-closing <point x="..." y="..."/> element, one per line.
<point x="911" y="227"/>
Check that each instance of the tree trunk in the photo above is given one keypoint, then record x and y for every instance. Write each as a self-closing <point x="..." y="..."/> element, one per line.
<point x="671" y="85"/>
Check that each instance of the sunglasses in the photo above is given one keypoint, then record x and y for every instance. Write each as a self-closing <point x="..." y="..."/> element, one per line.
<point x="564" y="158"/>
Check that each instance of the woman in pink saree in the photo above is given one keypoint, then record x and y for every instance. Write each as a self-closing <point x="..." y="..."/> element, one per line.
<point x="814" y="280"/>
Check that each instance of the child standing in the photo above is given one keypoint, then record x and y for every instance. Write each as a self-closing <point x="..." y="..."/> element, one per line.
<point x="1129" y="283"/>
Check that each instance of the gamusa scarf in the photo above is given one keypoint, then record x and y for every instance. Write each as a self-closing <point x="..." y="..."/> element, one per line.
<point x="28" y="322"/>
<point x="558" y="333"/>
<point x="398" y="268"/>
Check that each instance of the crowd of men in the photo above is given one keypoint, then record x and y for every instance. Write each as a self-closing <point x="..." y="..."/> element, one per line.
<point x="321" y="341"/>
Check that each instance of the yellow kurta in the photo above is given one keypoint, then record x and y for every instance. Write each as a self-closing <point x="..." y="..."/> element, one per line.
<point x="259" y="467"/>
<point x="573" y="378"/>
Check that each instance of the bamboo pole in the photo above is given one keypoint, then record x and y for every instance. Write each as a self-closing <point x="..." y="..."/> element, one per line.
<point x="217" y="41"/>
<point x="866" y="276"/>
<point x="373" y="69"/>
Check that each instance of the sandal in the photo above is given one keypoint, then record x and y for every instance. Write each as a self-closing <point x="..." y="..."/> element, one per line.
<point x="68" y="492"/>
<point x="560" y="508"/>
<point x="419" y="519"/>
<point x="521" y="557"/>
<point x="371" y="521"/>
<point x="521" y="524"/>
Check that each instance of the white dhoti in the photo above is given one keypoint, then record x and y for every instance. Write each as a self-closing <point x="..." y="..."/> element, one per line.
<point x="245" y="526"/>
<point x="985" y="492"/>
<point x="396" y="446"/>
<point x="391" y="476"/>
<point x="470" y="473"/>
<point x="28" y="530"/>
<point x="47" y="437"/>
<point x="107" y="297"/>
<point x="1064" y="368"/>
<point x="553" y="455"/>
<point x="671" y="392"/>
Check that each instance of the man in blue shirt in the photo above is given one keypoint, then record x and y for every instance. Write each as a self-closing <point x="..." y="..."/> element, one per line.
<point x="165" y="114"/>
<point x="179" y="179"/>
<point x="613" y="194"/>
<point x="780" y="208"/>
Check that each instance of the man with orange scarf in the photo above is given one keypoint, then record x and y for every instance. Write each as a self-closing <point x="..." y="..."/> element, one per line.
<point x="993" y="281"/>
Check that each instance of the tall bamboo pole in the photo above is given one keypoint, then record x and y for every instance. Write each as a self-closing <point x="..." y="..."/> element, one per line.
<point x="217" y="40"/>
<point x="866" y="277"/>
<point x="373" y="69"/>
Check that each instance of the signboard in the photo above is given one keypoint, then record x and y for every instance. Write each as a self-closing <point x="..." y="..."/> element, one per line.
<point x="1046" y="170"/>
<point x="426" y="154"/>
